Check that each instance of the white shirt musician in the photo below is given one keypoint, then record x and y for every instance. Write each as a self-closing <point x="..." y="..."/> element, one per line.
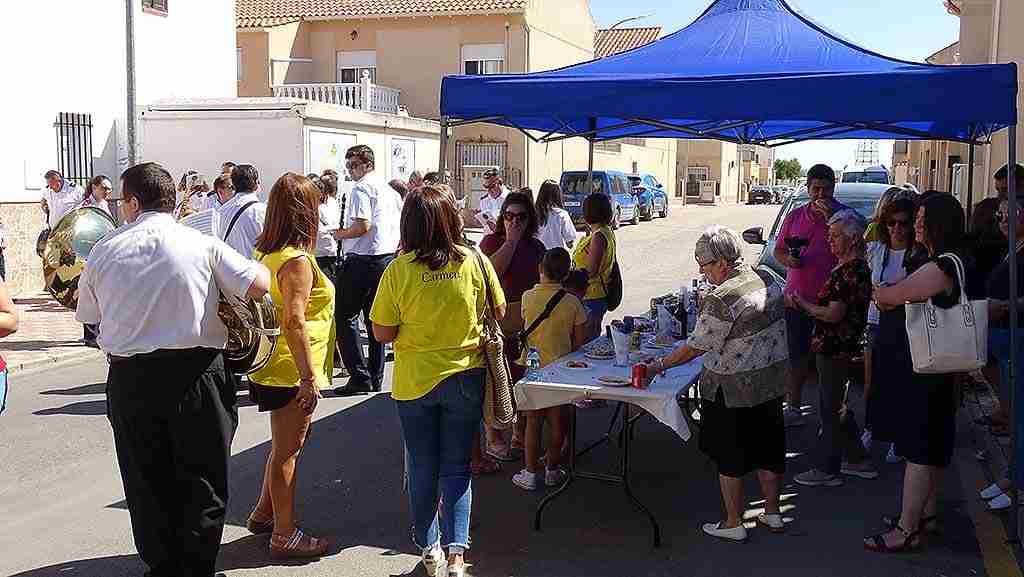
<point x="242" y="216"/>
<point x="153" y="287"/>
<point x="59" y="197"/>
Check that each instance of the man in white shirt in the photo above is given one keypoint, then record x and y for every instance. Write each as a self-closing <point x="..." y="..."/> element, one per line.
<point x="370" y="236"/>
<point x="242" y="216"/>
<point x="153" y="286"/>
<point x="490" y="204"/>
<point x="59" y="197"/>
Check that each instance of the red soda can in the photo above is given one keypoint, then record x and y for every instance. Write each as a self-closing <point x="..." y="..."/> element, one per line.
<point x="639" y="376"/>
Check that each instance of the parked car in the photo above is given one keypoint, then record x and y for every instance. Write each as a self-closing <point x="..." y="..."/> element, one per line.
<point x="875" y="174"/>
<point x="779" y="193"/>
<point x="612" y="183"/>
<point x="760" y="195"/>
<point x="651" y="194"/>
<point x="861" y="197"/>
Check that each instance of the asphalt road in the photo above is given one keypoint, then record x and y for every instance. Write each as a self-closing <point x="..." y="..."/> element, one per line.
<point x="62" y="512"/>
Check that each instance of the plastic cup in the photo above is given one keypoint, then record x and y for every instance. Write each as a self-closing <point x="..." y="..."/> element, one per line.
<point x="621" y="343"/>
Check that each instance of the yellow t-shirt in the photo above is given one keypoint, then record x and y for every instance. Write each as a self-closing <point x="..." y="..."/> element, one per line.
<point x="595" y="290"/>
<point x="281" y="370"/>
<point x="438" y="314"/>
<point x="552" y="337"/>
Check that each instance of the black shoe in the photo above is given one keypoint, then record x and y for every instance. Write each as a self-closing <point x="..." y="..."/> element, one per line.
<point x="353" y="388"/>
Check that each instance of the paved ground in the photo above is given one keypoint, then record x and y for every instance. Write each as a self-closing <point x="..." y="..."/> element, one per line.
<point x="62" y="511"/>
<point x="47" y="334"/>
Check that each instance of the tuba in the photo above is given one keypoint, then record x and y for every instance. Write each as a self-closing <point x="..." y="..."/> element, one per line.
<point x="252" y="325"/>
<point x="68" y="247"/>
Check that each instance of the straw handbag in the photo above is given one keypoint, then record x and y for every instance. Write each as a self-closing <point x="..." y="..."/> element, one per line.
<point x="498" y="410"/>
<point x="953" y="340"/>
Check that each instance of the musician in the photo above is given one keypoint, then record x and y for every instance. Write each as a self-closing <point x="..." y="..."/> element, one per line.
<point x="98" y="192"/>
<point x="153" y="287"/>
<point x="242" y="216"/>
<point x="194" y="194"/>
<point x="59" y="197"/>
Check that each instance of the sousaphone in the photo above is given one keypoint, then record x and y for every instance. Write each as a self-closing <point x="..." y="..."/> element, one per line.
<point x="68" y="247"/>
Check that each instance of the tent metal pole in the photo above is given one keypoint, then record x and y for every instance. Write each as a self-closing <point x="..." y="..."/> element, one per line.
<point x="590" y="159"/>
<point x="442" y="159"/>
<point x="970" y="184"/>
<point x="1014" y="532"/>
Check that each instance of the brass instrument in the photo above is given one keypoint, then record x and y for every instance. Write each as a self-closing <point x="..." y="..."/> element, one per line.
<point x="68" y="247"/>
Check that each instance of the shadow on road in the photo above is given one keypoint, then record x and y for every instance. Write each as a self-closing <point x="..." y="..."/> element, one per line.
<point x="93" y="389"/>
<point x="350" y="489"/>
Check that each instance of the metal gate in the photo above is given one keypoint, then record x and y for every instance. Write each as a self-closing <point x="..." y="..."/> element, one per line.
<point x="74" y="146"/>
<point x="484" y="154"/>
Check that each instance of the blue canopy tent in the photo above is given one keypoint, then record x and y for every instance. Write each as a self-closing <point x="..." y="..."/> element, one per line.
<point x="750" y="71"/>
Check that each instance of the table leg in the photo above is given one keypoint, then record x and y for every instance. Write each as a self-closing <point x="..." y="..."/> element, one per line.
<point x="571" y="472"/>
<point x="627" y="441"/>
<point x="607" y="436"/>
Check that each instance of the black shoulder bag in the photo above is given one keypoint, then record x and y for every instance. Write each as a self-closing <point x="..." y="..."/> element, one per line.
<point x="520" y="338"/>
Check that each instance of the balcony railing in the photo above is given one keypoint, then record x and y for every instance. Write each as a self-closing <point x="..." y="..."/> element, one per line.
<point x="360" y="95"/>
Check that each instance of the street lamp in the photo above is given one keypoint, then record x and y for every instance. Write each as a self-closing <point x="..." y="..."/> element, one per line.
<point x="624" y="20"/>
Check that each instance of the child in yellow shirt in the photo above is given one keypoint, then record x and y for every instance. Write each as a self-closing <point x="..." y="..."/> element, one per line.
<point x="563" y="332"/>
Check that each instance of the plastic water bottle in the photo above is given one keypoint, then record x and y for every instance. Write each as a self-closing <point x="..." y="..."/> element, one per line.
<point x="533" y="365"/>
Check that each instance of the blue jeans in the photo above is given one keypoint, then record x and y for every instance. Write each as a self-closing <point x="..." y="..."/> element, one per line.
<point x="596" y="308"/>
<point x="439" y="429"/>
<point x="999" y="347"/>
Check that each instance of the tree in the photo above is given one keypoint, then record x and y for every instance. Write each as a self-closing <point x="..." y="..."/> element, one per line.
<point x="787" y="170"/>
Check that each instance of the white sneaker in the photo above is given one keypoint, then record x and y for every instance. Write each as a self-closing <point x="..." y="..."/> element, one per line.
<point x="526" y="480"/>
<point x="866" y="440"/>
<point x="433" y="560"/>
<point x="892" y="457"/>
<point x="999" y="503"/>
<point x="738" y="533"/>
<point x="773" y="521"/>
<point x="554" y="477"/>
<point x="991" y="492"/>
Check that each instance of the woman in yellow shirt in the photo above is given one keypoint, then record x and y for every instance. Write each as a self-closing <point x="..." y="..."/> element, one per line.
<point x="430" y="303"/>
<point x="289" y="386"/>
<point x="595" y="254"/>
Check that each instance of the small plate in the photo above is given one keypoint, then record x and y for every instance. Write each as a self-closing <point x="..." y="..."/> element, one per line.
<point x="614" y="381"/>
<point x="569" y="365"/>
<point x="654" y="344"/>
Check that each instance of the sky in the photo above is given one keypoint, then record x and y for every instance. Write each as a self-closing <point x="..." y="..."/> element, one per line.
<point x="905" y="29"/>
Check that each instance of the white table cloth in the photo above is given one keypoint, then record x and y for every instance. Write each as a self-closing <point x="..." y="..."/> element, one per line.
<point x="561" y="385"/>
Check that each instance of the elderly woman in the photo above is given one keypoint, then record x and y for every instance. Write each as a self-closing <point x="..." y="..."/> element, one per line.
<point x="289" y="386"/>
<point x="430" y="303"/>
<point x="741" y="334"/>
<point x="840" y="316"/>
<point x="927" y="431"/>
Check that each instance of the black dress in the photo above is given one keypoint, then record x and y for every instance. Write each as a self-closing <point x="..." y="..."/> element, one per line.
<point x="915" y="411"/>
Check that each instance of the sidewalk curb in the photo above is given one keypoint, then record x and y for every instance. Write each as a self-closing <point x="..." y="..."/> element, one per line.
<point x="53" y="361"/>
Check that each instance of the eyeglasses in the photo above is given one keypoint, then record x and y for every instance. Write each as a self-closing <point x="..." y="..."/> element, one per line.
<point x="701" y="265"/>
<point x="352" y="165"/>
<point x="900" y="223"/>
<point x="515" y="216"/>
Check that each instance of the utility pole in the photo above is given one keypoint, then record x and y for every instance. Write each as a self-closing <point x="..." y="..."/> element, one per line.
<point x="129" y="17"/>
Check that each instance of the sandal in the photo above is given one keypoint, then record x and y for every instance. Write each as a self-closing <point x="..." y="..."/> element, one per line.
<point x="484" y="467"/>
<point x="929" y="525"/>
<point x="297" y="546"/>
<point x="877" y="544"/>
<point x="500" y="453"/>
<point x="257" y="527"/>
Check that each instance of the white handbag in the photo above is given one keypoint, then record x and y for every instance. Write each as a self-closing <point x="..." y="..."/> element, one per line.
<point x="953" y="340"/>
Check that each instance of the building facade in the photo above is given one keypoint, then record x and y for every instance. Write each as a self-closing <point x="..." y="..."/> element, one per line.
<point x="987" y="35"/>
<point x="405" y="49"/>
<point x="79" y="67"/>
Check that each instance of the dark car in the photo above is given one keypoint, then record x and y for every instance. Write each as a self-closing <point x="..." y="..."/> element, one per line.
<point x="861" y="197"/>
<point x="651" y="196"/>
<point x="760" y="195"/>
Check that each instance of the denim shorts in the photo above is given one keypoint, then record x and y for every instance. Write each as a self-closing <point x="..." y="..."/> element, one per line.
<point x="3" y="390"/>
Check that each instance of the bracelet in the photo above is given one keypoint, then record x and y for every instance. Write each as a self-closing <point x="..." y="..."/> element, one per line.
<point x="307" y="379"/>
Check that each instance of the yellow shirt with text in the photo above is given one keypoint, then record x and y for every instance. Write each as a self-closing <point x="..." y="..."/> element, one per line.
<point x="438" y="314"/>
<point x="595" y="290"/>
<point x="553" y="336"/>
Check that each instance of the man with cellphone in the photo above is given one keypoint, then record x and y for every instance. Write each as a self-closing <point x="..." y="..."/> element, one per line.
<point x="804" y="251"/>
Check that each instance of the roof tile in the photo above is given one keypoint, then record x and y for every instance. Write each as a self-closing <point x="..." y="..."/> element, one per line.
<point x="609" y="42"/>
<point x="257" y="13"/>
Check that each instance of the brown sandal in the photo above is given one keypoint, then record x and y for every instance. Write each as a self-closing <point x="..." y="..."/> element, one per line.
<point x="297" y="546"/>
<point x="257" y="527"/>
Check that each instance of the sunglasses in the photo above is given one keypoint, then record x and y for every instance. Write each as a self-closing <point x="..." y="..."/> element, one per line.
<point x="895" y="223"/>
<point x="515" y="216"/>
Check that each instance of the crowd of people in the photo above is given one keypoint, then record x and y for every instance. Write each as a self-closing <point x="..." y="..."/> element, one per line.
<point x="395" y="256"/>
<point x="847" y="287"/>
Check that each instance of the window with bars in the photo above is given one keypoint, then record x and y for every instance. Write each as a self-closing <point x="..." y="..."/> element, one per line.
<point x="74" y="146"/>
<point x="157" y="6"/>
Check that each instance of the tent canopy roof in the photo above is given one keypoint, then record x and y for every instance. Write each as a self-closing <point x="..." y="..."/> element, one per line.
<point x="745" y="71"/>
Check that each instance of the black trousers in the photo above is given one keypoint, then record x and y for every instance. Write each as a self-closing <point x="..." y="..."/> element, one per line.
<point x="840" y="438"/>
<point x="357" y="286"/>
<point x="174" y="416"/>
